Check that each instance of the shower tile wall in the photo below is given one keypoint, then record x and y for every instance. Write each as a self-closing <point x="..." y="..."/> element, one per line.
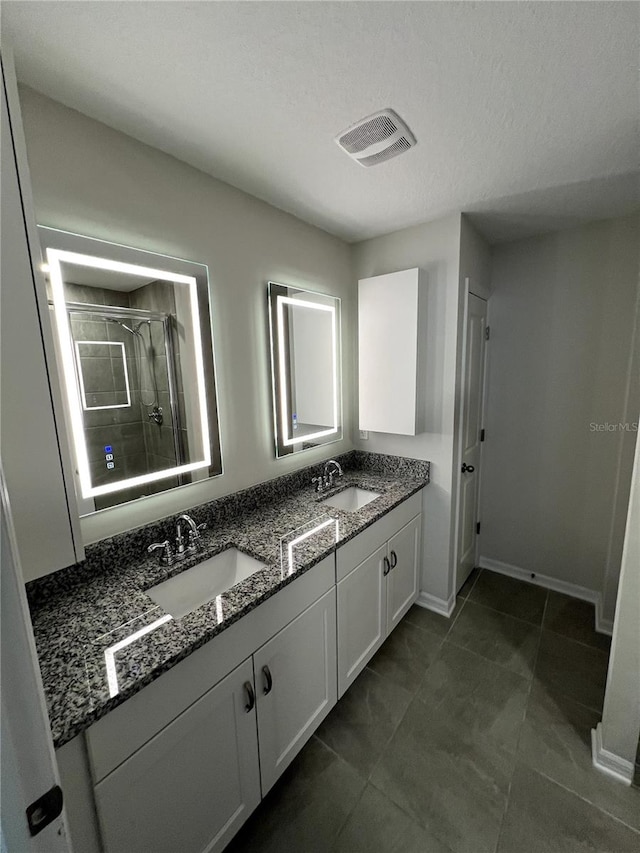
<point x="160" y="441"/>
<point x="120" y="428"/>
<point x="139" y="445"/>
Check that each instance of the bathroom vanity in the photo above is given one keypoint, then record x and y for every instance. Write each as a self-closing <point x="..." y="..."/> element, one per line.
<point x="171" y="730"/>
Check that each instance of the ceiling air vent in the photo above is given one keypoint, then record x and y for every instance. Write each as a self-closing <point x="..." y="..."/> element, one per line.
<point x="376" y="138"/>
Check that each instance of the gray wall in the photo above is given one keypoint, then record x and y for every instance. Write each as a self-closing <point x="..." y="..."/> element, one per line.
<point x="436" y="248"/>
<point x="90" y="179"/>
<point x="555" y="488"/>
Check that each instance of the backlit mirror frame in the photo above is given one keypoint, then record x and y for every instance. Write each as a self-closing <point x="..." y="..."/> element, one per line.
<point x="279" y="296"/>
<point x="62" y="247"/>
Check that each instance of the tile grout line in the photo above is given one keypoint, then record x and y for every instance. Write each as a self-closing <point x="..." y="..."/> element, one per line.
<point x="488" y="660"/>
<point x="367" y="779"/>
<point x="571" y="699"/>
<point x="406" y="710"/>
<point x="583" y="798"/>
<point x="347" y="818"/>
<point x="510" y="615"/>
<point x="522" y="721"/>
<point x="480" y="571"/>
<point x="375" y="766"/>
<point x="542" y="626"/>
<point x="577" y="642"/>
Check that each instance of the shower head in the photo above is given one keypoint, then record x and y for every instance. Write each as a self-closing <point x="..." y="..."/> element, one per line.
<point x="124" y="325"/>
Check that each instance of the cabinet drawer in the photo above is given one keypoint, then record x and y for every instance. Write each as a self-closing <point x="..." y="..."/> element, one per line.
<point x="125" y="729"/>
<point x="358" y="549"/>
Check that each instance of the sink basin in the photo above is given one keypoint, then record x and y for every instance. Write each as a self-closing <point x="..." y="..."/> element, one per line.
<point x="351" y="499"/>
<point x="202" y="583"/>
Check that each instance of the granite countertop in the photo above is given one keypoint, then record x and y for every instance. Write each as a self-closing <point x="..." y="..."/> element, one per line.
<point x="100" y="638"/>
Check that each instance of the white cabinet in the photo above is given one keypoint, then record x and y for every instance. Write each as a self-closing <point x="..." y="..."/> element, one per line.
<point x="402" y="580"/>
<point x="373" y="598"/>
<point x="362" y="617"/>
<point x="35" y="457"/>
<point x="296" y="686"/>
<point x="391" y="343"/>
<point x="191" y="786"/>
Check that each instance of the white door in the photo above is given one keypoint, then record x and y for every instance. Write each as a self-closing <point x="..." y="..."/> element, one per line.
<point x="192" y="786"/>
<point x="296" y="685"/>
<point x="362" y="617"/>
<point x="28" y="763"/>
<point x="470" y="440"/>
<point x="402" y="580"/>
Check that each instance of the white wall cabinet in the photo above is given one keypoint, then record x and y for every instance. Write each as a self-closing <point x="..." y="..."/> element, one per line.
<point x="191" y="786"/>
<point x="373" y="598"/>
<point x="33" y="447"/>
<point x="391" y="322"/>
<point x="296" y="686"/>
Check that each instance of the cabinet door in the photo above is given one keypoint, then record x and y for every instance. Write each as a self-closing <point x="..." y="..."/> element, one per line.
<point x="392" y="309"/>
<point x="32" y="442"/>
<point x="362" y="617"/>
<point x="402" y="580"/>
<point x="192" y="786"/>
<point x="296" y="685"/>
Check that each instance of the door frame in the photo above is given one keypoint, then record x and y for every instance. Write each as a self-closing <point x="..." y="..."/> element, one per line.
<point x="460" y="421"/>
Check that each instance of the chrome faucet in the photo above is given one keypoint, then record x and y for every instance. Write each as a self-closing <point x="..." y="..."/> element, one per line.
<point x="331" y="468"/>
<point x="171" y="554"/>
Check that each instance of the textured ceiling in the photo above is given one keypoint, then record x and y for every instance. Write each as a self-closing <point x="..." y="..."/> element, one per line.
<point x="526" y="114"/>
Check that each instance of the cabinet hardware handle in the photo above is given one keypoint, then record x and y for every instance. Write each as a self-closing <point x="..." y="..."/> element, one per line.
<point x="467" y="468"/>
<point x="251" y="697"/>
<point x="387" y="566"/>
<point x="394" y="559"/>
<point x="268" y="680"/>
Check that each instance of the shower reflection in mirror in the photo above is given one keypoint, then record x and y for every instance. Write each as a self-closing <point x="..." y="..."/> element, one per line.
<point x="135" y="354"/>
<point x="305" y="362"/>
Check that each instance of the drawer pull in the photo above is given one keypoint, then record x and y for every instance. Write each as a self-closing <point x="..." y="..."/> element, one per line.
<point x="394" y="559"/>
<point x="251" y="697"/>
<point x="387" y="566"/>
<point x="268" y="680"/>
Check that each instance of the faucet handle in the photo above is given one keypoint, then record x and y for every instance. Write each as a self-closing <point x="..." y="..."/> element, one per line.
<point x="194" y="537"/>
<point x="166" y="557"/>
<point x="319" y="481"/>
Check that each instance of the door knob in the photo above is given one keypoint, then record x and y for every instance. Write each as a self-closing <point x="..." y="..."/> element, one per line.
<point x="467" y="469"/>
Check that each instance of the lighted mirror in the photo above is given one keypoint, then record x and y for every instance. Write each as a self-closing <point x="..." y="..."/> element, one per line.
<point x="305" y="366"/>
<point x="134" y="351"/>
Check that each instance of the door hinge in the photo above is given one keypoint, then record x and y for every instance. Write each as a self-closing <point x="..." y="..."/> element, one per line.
<point x="481" y="435"/>
<point x="487" y="333"/>
<point x="44" y="810"/>
<point x="478" y="527"/>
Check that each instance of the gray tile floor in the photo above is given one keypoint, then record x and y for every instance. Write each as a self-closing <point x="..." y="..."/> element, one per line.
<point x="468" y="735"/>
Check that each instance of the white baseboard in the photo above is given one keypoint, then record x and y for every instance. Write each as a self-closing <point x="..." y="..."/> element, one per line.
<point x="608" y="762"/>
<point x="603" y="626"/>
<point x="438" y="605"/>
